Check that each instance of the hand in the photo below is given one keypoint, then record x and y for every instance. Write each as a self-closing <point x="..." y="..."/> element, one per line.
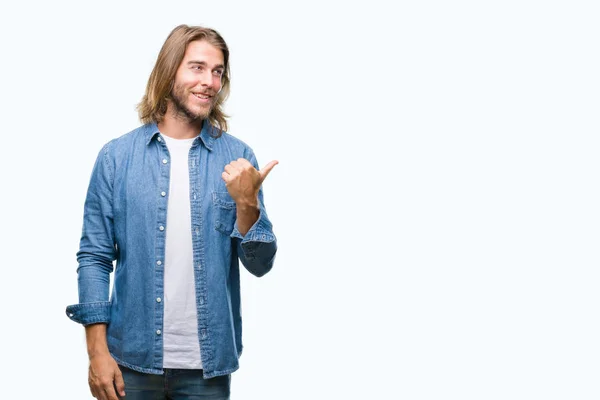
<point x="243" y="180"/>
<point x="104" y="375"/>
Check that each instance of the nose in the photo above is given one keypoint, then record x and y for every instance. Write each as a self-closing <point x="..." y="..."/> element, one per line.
<point x="208" y="78"/>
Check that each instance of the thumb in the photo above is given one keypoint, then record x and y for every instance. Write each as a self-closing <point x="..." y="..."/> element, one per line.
<point x="120" y="383"/>
<point x="266" y="169"/>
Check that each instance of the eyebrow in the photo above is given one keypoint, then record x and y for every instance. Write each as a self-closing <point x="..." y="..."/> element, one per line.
<point x="203" y="63"/>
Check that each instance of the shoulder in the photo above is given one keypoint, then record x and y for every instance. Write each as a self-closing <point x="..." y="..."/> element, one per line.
<point x="130" y="140"/>
<point x="234" y="144"/>
<point x="142" y="133"/>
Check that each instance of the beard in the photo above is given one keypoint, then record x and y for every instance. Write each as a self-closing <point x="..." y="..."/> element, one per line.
<point x="181" y="109"/>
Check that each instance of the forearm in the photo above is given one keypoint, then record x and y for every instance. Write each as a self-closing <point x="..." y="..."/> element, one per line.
<point x="247" y="215"/>
<point x="95" y="336"/>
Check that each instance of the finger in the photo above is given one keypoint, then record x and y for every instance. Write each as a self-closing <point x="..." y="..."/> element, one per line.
<point x="100" y="395"/>
<point x="120" y="383"/>
<point x="225" y="176"/>
<point x="239" y="163"/>
<point x="266" y="169"/>
<point x="244" y="163"/>
<point x="230" y="169"/>
<point x="110" y="393"/>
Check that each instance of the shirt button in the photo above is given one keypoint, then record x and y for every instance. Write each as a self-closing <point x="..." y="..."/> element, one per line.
<point x="164" y="160"/>
<point x="158" y="300"/>
<point x="158" y="332"/>
<point x="70" y="315"/>
<point x="201" y="300"/>
<point x="162" y="228"/>
<point x="163" y="194"/>
<point x="159" y="139"/>
<point x="158" y="262"/>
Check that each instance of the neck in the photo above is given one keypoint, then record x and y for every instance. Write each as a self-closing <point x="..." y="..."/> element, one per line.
<point x="179" y="127"/>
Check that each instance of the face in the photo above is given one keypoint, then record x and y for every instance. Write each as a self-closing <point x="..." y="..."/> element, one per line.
<point x="197" y="81"/>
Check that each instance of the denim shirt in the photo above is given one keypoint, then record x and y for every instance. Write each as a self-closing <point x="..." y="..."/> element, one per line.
<point x="125" y="217"/>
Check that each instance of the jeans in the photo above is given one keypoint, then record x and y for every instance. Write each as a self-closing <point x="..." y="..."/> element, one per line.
<point x="175" y="384"/>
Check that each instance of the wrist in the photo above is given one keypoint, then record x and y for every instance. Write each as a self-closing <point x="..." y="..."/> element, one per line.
<point x="96" y="340"/>
<point x="247" y="204"/>
<point x="98" y="352"/>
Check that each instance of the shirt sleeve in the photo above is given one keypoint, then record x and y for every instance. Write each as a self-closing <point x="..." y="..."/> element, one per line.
<point x="97" y="249"/>
<point x="258" y="247"/>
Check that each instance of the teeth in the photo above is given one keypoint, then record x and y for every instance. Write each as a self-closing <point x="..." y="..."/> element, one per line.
<point x="201" y="96"/>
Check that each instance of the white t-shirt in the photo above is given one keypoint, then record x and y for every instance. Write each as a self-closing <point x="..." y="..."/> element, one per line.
<point x="180" y="341"/>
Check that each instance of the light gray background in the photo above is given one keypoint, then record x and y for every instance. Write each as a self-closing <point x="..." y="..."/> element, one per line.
<point x="436" y="201"/>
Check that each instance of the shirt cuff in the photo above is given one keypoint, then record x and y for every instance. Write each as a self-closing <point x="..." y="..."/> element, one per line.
<point x="261" y="231"/>
<point x="89" y="313"/>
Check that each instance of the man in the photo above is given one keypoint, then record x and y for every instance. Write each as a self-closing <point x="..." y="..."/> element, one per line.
<point x="177" y="203"/>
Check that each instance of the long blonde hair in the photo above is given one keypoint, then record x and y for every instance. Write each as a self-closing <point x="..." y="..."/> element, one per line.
<point x="153" y="106"/>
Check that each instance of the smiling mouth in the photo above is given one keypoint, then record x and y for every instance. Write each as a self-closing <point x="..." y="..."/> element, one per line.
<point x="203" y="97"/>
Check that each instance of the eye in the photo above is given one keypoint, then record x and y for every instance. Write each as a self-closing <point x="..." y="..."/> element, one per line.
<point x="197" y="67"/>
<point x="218" y="73"/>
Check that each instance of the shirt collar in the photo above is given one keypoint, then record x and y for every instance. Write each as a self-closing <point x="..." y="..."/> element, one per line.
<point x="205" y="135"/>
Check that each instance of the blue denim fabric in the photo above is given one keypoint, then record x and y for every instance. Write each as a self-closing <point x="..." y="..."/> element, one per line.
<point x="125" y="216"/>
<point x="176" y="384"/>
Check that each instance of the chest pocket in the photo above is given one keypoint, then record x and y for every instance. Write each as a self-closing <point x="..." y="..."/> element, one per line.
<point x="224" y="212"/>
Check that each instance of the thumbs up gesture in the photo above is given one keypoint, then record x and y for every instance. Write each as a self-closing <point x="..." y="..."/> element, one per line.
<point x="243" y="180"/>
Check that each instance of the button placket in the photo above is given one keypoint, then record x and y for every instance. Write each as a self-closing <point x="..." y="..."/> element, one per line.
<point x="161" y="220"/>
